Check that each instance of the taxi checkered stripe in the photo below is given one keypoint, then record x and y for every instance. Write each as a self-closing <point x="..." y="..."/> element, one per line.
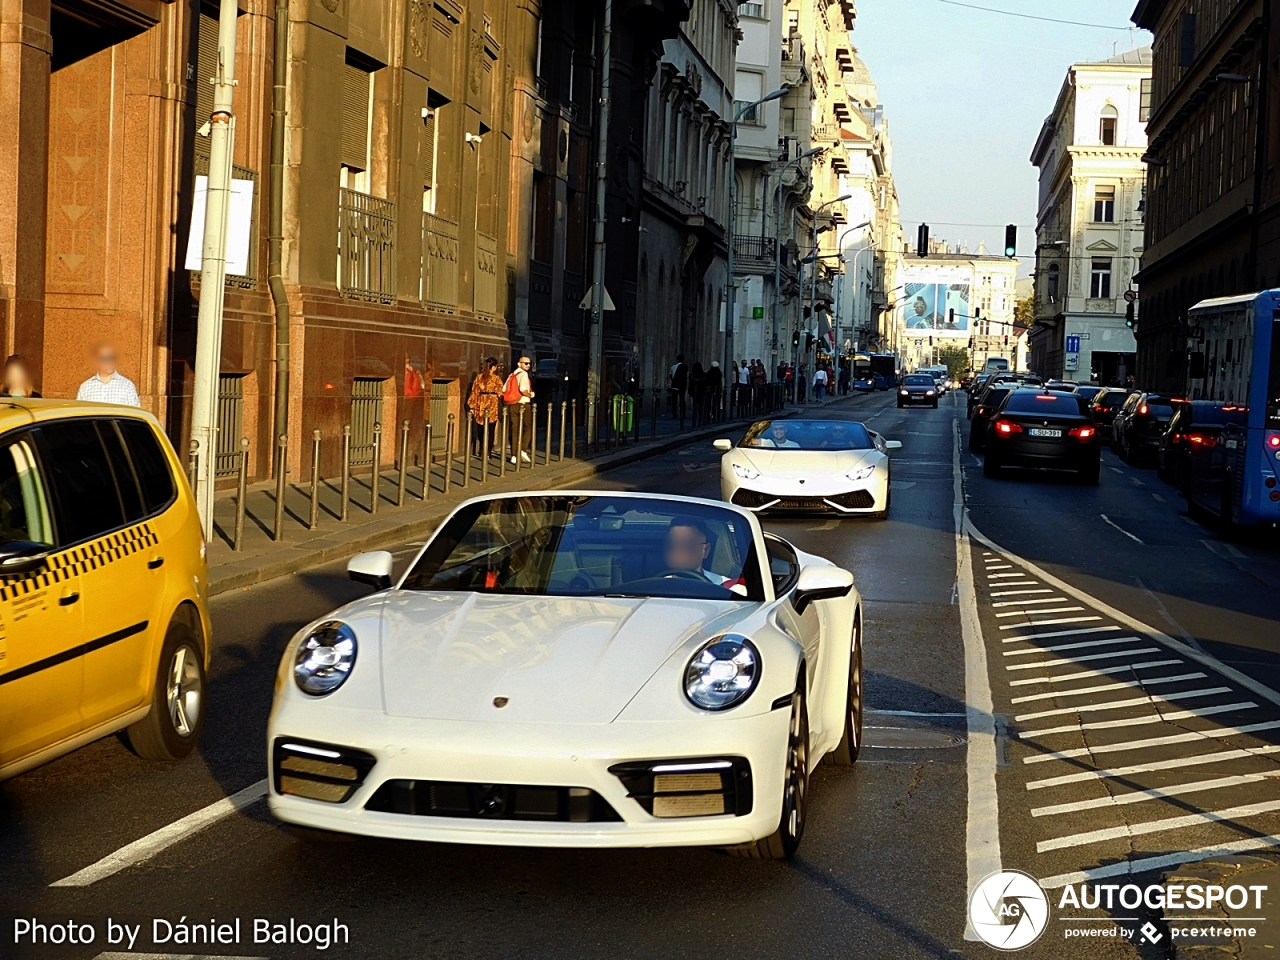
<point x="82" y="559"/>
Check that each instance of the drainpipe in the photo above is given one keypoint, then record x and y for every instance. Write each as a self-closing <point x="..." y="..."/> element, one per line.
<point x="275" y="269"/>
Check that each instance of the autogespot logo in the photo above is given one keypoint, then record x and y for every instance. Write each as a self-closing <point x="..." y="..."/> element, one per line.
<point x="1009" y="910"/>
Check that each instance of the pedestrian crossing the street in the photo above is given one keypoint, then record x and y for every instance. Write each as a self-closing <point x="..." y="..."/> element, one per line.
<point x="1127" y="751"/>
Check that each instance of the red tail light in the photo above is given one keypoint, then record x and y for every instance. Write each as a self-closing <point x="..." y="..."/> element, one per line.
<point x="1202" y="439"/>
<point x="1083" y="432"/>
<point x="1007" y="428"/>
<point x="1142" y="410"/>
<point x="1273" y="440"/>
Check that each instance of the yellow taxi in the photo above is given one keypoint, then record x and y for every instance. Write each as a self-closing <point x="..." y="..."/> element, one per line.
<point x="103" y="585"/>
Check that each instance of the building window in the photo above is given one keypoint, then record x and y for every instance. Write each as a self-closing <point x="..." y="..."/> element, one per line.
<point x="1104" y="204"/>
<point x="1144" y="100"/>
<point x="747" y="89"/>
<point x="751" y="10"/>
<point x="1100" y="278"/>
<point x="1107" y="126"/>
<point x="1055" y="272"/>
<point x="357" y="118"/>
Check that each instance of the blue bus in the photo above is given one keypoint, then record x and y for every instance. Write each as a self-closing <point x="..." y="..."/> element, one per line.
<point x="1234" y="358"/>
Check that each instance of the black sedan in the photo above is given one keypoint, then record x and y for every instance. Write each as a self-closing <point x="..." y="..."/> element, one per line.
<point x="1043" y="428"/>
<point x="1138" y="427"/>
<point x="1107" y="403"/>
<point x="918" y="388"/>
<point x="1195" y="424"/>
<point x="980" y="414"/>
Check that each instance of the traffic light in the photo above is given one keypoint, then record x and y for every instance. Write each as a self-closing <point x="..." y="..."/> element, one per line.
<point x="808" y="341"/>
<point x="1129" y="319"/>
<point x="922" y="240"/>
<point x="1011" y="240"/>
<point x="977" y="313"/>
<point x="795" y="338"/>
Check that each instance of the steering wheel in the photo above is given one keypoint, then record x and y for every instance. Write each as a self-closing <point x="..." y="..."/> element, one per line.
<point x="680" y="574"/>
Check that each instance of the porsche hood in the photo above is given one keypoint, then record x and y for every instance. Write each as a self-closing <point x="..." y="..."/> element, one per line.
<point x="472" y="656"/>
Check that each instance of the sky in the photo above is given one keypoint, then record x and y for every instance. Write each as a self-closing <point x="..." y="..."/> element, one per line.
<point x="966" y="92"/>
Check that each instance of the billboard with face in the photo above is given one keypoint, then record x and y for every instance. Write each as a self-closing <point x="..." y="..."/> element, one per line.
<point x="940" y="308"/>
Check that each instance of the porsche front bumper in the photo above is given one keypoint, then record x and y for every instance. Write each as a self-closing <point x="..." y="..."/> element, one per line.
<point x="550" y="755"/>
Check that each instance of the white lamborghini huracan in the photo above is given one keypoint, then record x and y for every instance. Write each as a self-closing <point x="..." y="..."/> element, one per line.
<point x="806" y="466"/>
<point x="575" y="670"/>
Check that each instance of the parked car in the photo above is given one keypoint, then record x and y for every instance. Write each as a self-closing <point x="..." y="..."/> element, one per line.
<point x="1139" y="424"/>
<point x="1043" y="428"/>
<point x="1107" y="403"/>
<point x="991" y="398"/>
<point x="1188" y="454"/>
<point x="918" y="388"/>
<point x="1088" y="391"/>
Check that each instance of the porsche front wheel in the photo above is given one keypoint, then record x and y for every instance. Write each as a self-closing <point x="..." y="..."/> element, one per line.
<point x="846" y="752"/>
<point x="783" y="842"/>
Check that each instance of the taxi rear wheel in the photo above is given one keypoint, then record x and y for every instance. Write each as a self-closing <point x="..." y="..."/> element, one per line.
<point x="172" y="728"/>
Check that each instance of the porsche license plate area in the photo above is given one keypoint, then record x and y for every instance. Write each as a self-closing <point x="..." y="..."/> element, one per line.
<point x="1047" y="432"/>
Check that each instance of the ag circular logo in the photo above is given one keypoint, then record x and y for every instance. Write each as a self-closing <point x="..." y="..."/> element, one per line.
<point x="1008" y="910"/>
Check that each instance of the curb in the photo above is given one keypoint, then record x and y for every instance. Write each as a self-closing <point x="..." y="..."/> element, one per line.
<point x="249" y="571"/>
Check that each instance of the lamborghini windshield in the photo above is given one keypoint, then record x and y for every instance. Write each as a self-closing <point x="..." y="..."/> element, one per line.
<point x="592" y="546"/>
<point x="807" y="435"/>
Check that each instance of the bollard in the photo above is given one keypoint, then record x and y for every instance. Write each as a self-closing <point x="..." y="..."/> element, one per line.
<point x="502" y="452"/>
<point x="242" y="488"/>
<point x="573" y="432"/>
<point x="466" y="457"/>
<point x="282" y="451"/>
<point x="193" y="463"/>
<point x="346" y="471"/>
<point x="315" y="479"/>
<point x="550" y="410"/>
<point x="404" y="462"/>
<point x="448" y="454"/>
<point x="484" y="451"/>
<point x="375" y="479"/>
<point x="533" y="434"/>
<point x="564" y="411"/>
<point x="653" y="416"/>
<point x="637" y="406"/>
<point x="426" y="467"/>
<point x="519" y="435"/>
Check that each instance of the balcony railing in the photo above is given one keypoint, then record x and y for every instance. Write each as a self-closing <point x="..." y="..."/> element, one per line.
<point x="754" y="248"/>
<point x="439" y="285"/>
<point x="486" y="276"/>
<point x="366" y="247"/>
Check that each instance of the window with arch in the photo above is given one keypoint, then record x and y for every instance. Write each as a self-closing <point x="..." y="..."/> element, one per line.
<point x="1055" y="276"/>
<point x="1107" y="125"/>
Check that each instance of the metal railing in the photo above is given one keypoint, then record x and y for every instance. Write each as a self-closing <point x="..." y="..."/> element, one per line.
<point x="438" y="286"/>
<point x="485" y="293"/>
<point x="366" y="247"/>
<point x="754" y="248"/>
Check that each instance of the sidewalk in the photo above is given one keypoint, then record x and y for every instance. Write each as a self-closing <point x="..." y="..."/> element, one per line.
<point x="1231" y="939"/>
<point x="262" y="558"/>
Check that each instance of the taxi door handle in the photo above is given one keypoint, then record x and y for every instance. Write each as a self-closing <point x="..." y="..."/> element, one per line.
<point x="155" y="563"/>
<point x="68" y="600"/>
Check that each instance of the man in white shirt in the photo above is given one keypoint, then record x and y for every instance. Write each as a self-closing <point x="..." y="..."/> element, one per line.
<point x="688" y="546"/>
<point x="819" y="382"/>
<point x="108" y="385"/>
<point x="520" y="425"/>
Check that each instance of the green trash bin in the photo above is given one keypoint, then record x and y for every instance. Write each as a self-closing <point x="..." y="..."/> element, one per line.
<point x="624" y="409"/>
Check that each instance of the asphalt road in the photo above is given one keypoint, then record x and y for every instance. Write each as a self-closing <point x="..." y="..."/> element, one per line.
<point x="884" y="868"/>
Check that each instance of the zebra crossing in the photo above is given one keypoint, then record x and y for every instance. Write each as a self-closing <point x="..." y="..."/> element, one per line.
<point x="1126" y="751"/>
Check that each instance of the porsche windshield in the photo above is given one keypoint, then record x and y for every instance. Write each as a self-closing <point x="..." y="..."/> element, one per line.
<point x="592" y="546"/>
<point x="807" y="435"/>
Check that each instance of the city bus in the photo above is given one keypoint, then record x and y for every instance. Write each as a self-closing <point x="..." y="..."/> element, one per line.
<point x="1233" y="357"/>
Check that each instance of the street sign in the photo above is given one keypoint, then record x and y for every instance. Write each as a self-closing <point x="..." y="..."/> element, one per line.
<point x="1130" y="296"/>
<point x="1073" y="343"/>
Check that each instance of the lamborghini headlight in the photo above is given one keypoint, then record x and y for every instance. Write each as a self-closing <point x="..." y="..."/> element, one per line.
<point x="861" y="473"/>
<point x="325" y="658"/>
<point x="722" y="673"/>
<point x="745" y="472"/>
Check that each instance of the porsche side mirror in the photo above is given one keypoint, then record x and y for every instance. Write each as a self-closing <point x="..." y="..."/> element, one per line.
<point x="22" y="556"/>
<point x="724" y="446"/>
<point x="371" y="568"/>
<point x="820" y="583"/>
<point x="893" y="444"/>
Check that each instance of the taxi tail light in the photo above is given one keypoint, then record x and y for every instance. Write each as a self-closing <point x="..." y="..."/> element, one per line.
<point x="1083" y="432"/>
<point x="1008" y="428"/>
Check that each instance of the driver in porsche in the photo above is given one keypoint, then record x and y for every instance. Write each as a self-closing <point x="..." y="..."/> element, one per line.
<point x="687" y="547"/>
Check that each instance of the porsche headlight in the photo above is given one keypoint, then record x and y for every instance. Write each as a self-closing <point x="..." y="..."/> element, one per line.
<point x="861" y="473"/>
<point x="745" y="472"/>
<point x="325" y="658"/>
<point x="723" y="673"/>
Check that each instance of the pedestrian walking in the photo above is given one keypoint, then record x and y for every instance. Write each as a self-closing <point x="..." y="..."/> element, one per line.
<point x="679" y="380"/>
<point x="697" y="386"/>
<point x="714" y="388"/>
<point x="819" y="382"/>
<point x="517" y="394"/>
<point x="802" y="383"/>
<point x="743" y="384"/>
<point x="483" y="403"/>
<point x="108" y="385"/>
<point x="17" y="380"/>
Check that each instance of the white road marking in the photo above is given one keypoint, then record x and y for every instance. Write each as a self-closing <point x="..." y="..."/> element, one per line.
<point x="1014" y="583"/>
<point x="1106" y="671"/>
<point x="148" y="846"/>
<point x="1159" y="826"/>
<point x="1126" y="868"/>
<point x="912" y="713"/>
<point x="1149" y="681"/>
<point x="997" y="576"/>
<point x="1073" y="660"/>
<point x="1027" y="603"/>
<point x="1014" y="593"/>
<point x="1152" y="767"/>
<point x="1117" y="470"/>
<point x="1069" y="646"/>
<point x="1040" y="613"/>
<point x="982" y="822"/>
<point x="1049" y="623"/>
<point x="1108" y="520"/>
<point x="1064" y="633"/>
<point x="1214" y="733"/>
<point x="1140" y="796"/>
<point x="999" y="566"/>
<point x="1118" y="704"/>
<point x="1138" y="721"/>
<point x="1160" y="498"/>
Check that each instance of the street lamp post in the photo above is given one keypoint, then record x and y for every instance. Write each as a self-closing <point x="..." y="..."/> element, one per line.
<point x="730" y="298"/>
<point x="813" y="282"/>
<point x="777" y="251"/>
<point x="839" y="250"/>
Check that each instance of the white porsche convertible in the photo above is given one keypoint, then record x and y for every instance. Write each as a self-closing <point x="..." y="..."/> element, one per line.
<point x="808" y="466"/>
<point x="575" y="670"/>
